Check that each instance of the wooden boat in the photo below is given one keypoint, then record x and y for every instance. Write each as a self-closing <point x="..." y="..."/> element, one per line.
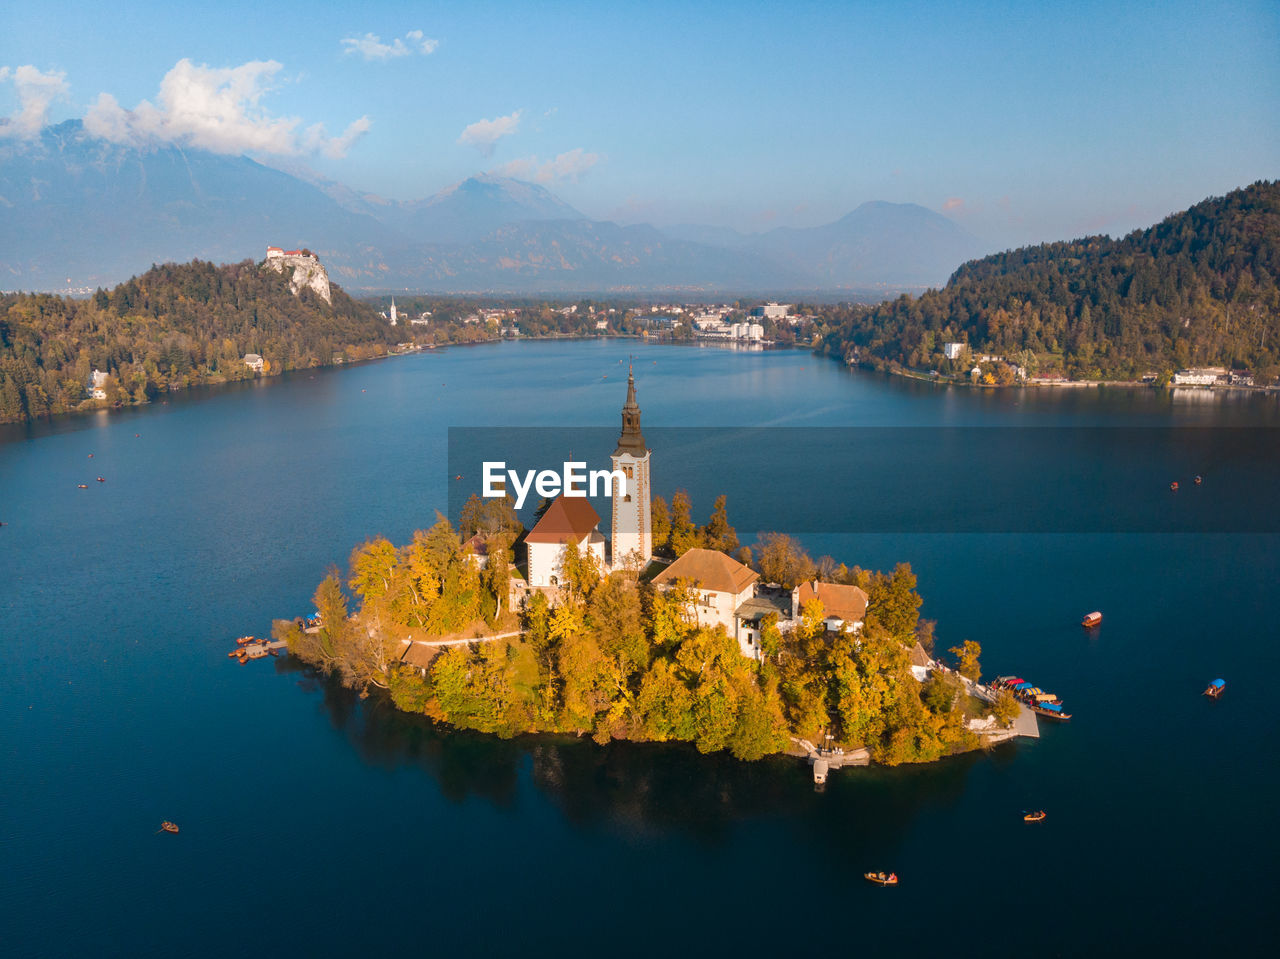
<point x="84" y="486"/>
<point x="1092" y="620"/>
<point x="1215" y="688"/>
<point x="167" y="826"/>
<point x="881" y="879"/>
<point x="1197" y="480"/>
<point x="101" y="479"/>
<point x="1041" y="710"/>
<point x="1174" y="486"/>
<point x="1037" y="816"/>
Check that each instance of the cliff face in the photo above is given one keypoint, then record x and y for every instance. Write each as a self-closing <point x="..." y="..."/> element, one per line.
<point x="307" y="272"/>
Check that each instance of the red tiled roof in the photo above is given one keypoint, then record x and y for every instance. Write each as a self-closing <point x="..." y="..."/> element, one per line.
<point x="568" y="518"/>
<point x="710" y="569"/>
<point x="843" y="602"/>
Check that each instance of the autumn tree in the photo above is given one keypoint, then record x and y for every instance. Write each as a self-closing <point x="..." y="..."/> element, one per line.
<point x="967" y="656"/>
<point x="783" y="560"/>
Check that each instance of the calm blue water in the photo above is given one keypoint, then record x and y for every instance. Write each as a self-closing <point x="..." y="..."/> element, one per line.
<point x="315" y="824"/>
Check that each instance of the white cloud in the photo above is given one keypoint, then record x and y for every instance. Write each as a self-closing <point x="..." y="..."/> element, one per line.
<point x="425" y="44"/>
<point x="315" y="139"/>
<point x="371" y="47"/>
<point x="568" y="166"/>
<point x="36" y="93"/>
<point x="483" y="134"/>
<point x="217" y="109"/>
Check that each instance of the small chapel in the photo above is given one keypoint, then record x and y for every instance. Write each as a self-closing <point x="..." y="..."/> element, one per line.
<point x="574" y="519"/>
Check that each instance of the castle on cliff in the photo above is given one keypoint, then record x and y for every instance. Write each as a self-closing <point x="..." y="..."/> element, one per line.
<point x="306" y="268"/>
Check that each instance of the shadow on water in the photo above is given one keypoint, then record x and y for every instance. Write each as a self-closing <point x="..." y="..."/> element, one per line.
<point x="645" y="789"/>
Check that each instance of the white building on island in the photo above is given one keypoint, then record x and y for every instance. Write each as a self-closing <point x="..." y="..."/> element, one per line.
<point x="720" y="583"/>
<point x="570" y="519"/>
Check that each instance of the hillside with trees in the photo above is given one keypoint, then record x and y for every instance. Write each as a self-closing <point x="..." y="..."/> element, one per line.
<point x="175" y="326"/>
<point x="1198" y="289"/>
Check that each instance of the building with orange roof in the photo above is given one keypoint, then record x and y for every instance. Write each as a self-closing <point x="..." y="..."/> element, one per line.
<point x="569" y="519"/>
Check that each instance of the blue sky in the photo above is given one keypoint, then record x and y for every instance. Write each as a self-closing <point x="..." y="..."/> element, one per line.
<point x="1022" y="122"/>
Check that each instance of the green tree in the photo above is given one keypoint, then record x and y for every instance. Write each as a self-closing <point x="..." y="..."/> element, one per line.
<point x="660" y="520"/>
<point x="684" y="534"/>
<point x="718" y="534"/>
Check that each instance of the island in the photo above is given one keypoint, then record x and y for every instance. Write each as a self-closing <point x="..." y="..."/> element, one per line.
<point x="673" y="632"/>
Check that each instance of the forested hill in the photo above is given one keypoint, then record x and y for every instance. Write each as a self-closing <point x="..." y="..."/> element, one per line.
<point x="174" y="326"/>
<point x="1198" y="289"/>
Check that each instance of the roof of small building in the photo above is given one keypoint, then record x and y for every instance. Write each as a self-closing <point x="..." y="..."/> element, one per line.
<point x="838" y="600"/>
<point x="477" y="544"/>
<point x="568" y="518"/>
<point x="419" y="654"/>
<point x="919" y="657"/>
<point x="765" y="601"/>
<point x="710" y="569"/>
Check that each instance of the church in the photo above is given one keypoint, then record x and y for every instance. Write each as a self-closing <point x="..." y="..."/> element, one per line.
<point x="573" y="519"/>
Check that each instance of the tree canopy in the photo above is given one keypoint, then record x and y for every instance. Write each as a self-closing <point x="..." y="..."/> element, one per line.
<point x="1197" y="289"/>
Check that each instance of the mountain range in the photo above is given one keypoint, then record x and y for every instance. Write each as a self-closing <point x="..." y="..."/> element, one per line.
<point x="78" y="211"/>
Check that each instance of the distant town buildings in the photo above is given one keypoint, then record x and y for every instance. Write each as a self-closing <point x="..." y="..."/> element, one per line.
<point x="1200" y="376"/>
<point x="772" y="311"/>
<point x="1212" y="376"/>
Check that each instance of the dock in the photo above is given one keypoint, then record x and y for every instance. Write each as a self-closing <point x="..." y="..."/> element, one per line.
<point x="258" y="649"/>
<point x="1025" y="724"/>
<point x="825" y="760"/>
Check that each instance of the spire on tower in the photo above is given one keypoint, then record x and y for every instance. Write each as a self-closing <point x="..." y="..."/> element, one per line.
<point x="632" y="440"/>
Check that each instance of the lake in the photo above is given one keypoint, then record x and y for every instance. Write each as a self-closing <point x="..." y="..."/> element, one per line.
<point x="314" y="823"/>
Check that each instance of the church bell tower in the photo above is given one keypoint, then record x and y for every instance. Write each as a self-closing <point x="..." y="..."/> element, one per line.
<point x="632" y="531"/>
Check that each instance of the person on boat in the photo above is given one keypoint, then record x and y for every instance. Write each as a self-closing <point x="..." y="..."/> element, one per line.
<point x="893" y="877"/>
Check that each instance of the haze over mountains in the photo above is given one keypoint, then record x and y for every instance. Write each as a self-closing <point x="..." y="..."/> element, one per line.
<point x="79" y="211"/>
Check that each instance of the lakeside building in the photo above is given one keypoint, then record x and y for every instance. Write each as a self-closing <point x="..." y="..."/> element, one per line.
<point x="721" y="585"/>
<point x="98" y="385"/>
<point x="843" y="606"/>
<point x="952" y="350"/>
<point x="568" y="519"/>
<point x="1201" y="376"/>
<point x="772" y="311"/>
<point x="573" y="518"/>
<point x="253" y="361"/>
<point x="726" y="593"/>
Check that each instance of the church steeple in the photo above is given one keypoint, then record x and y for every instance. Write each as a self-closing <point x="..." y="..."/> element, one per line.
<point x="632" y="440"/>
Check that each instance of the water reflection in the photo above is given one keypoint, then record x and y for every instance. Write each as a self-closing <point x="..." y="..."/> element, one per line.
<point x="648" y="789"/>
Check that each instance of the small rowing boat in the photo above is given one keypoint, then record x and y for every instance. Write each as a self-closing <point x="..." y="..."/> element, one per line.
<point x="881" y="879"/>
<point x="1092" y="620"/>
<point x="1037" y="816"/>
<point x="167" y="826"/>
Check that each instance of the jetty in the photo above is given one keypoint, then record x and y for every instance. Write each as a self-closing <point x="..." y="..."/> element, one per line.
<point x="825" y="760"/>
<point x="1025" y="724"/>
<point x="258" y="649"/>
